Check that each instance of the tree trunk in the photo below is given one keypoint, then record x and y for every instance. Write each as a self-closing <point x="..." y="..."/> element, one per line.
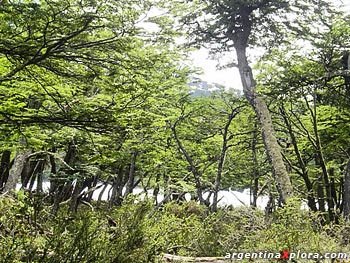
<point x="346" y="197"/>
<point x="255" y="171"/>
<point x="4" y="168"/>
<point x="303" y="171"/>
<point x="333" y="188"/>
<point x="273" y="150"/>
<point x="92" y="184"/>
<point x="100" y="196"/>
<point x="320" y="160"/>
<point x="79" y="186"/>
<point x="117" y="189"/>
<point x="194" y="169"/>
<point x="53" y="172"/>
<point x="239" y="35"/>
<point x="130" y="183"/>
<point x="320" y="197"/>
<point x="222" y="159"/>
<point x="16" y="169"/>
<point x="64" y="186"/>
<point x="35" y="174"/>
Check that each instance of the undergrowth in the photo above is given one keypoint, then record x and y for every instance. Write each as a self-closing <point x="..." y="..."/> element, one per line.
<point x="137" y="232"/>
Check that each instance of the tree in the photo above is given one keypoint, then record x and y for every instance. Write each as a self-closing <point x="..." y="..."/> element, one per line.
<point x="346" y="211"/>
<point x="233" y="24"/>
<point x="309" y="102"/>
<point x="76" y="76"/>
<point x="212" y="136"/>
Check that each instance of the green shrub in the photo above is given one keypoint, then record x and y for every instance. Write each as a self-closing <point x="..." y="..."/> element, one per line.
<point x="137" y="232"/>
<point x="291" y="229"/>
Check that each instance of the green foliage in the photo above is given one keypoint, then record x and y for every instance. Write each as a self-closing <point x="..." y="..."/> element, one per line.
<point x="293" y="229"/>
<point x="136" y="232"/>
<point x="187" y="229"/>
<point x="310" y="99"/>
<point x="86" y="88"/>
<point x="86" y="236"/>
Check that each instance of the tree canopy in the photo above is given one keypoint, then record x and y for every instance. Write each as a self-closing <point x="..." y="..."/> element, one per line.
<point x="99" y="110"/>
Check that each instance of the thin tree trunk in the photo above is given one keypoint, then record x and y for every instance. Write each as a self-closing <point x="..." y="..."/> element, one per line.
<point x="4" y="168"/>
<point x="63" y="186"/>
<point x="114" y="187"/>
<point x="333" y="188"/>
<point x="100" y="196"/>
<point x="39" y="184"/>
<point x="320" y="159"/>
<point x="194" y="169"/>
<point x="35" y="174"/>
<point x="327" y="185"/>
<point x="346" y="197"/>
<point x="222" y="159"/>
<point x="92" y="184"/>
<point x="27" y="173"/>
<point x="240" y="37"/>
<point x="320" y="197"/>
<point x="346" y="205"/>
<point x="117" y="189"/>
<point x="256" y="170"/>
<point x="75" y="195"/>
<point x="340" y="194"/>
<point x="130" y="183"/>
<point x="303" y="172"/>
<point x="53" y="172"/>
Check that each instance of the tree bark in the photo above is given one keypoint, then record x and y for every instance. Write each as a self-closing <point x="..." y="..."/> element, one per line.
<point x="303" y="171"/>
<point x="74" y="201"/>
<point x="320" y="197"/>
<point x="17" y="168"/>
<point x="33" y="173"/>
<point x="64" y="186"/>
<point x="194" y="169"/>
<point x="256" y="170"/>
<point x="240" y="36"/>
<point x="117" y="189"/>
<point x="130" y="183"/>
<point x="174" y="258"/>
<point x="221" y="163"/>
<point x="4" y="168"/>
<point x="100" y="196"/>
<point x="273" y="150"/>
<point x="320" y="160"/>
<point x="346" y="198"/>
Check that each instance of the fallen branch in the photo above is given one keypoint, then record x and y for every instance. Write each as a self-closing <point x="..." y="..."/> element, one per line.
<point x="174" y="258"/>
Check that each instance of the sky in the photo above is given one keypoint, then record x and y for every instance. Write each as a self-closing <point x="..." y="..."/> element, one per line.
<point x="229" y="77"/>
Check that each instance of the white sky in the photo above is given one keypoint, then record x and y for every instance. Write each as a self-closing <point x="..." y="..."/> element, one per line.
<point x="228" y="77"/>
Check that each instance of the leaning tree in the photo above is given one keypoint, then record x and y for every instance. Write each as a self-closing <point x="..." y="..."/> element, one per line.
<point x="242" y="24"/>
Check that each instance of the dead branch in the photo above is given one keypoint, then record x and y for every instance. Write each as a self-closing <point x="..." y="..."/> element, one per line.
<point x="174" y="258"/>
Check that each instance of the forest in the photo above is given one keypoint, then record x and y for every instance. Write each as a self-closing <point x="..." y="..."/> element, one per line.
<point x="114" y="149"/>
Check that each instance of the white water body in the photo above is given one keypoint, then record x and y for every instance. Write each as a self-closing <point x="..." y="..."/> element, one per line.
<point x="226" y="197"/>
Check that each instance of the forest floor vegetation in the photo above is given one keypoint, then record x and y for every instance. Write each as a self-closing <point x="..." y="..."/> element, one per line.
<point x="137" y="232"/>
